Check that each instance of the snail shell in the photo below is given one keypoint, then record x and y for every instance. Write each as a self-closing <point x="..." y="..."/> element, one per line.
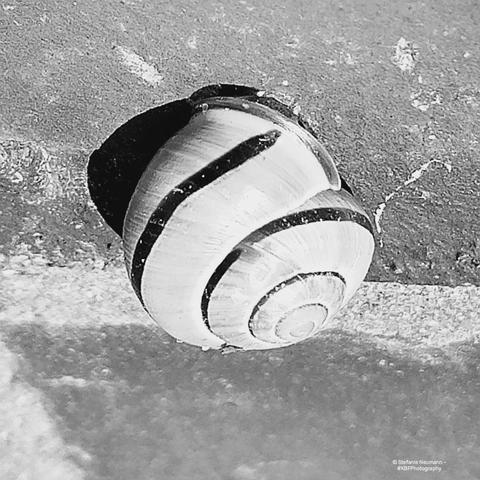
<point x="239" y="232"/>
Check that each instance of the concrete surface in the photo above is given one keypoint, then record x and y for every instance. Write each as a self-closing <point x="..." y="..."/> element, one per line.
<point x="90" y="389"/>
<point x="97" y="391"/>
<point x="390" y="86"/>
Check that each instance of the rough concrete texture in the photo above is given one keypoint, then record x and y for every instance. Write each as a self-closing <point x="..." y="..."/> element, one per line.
<point x="131" y="404"/>
<point x="390" y="86"/>
<point x="395" y="376"/>
<point x="31" y="447"/>
<point x="91" y="389"/>
<point x="415" y="317"/>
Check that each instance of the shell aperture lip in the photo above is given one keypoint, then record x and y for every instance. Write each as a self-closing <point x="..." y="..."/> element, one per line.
<point x="158" y="219"/>
<point x="282" y="120"/>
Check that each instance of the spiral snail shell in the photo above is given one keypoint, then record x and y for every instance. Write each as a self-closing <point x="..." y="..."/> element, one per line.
<point x="239" y="232"/>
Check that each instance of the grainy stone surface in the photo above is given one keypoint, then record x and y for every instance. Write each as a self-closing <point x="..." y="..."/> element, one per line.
<point x="395" y="376"/>
<point x="389" y="87"/>
<point x="413" y="317"/>
<point x="30" y="444"/>
<point x="340" y="407"/>
<point x="91" y="389"/>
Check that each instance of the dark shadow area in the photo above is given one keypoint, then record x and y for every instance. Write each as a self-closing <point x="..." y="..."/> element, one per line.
<point x="116" y="167"/>
<point x="338" y="407"/>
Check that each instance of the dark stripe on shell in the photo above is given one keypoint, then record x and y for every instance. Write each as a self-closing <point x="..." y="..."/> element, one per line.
<point x="300" y="277"/>
<point x="166" y="208"/>
<point x="229" y="260"/>
<point x="263" y="300"/>
<point x="313" y="215"/>
<point x="279" y="224"/>
<point x="282" y="117"/>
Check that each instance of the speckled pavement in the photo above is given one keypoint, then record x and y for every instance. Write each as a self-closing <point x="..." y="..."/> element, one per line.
<point x="90" y="387"/>
<point x="391" y="88"/>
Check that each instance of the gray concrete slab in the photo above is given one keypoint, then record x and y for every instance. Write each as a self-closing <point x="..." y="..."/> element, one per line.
<point x="126" y="403"/>
<point x="395" y="377"/>
<point x="391" y="87"/>
<point x="91" y="389"/>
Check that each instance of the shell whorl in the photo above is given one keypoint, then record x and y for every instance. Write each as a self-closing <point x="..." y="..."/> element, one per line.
<point x="239" y="233"/>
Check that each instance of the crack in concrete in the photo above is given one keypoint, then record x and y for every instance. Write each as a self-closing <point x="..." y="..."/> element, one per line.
<point x="417" y="174"/>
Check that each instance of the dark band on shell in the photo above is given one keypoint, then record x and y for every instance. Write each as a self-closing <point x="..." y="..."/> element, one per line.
<point x="288" y="221"/>
<point x="270" y="272"/>
<point x="159" y="218"/>
<point x="299" y="277"/>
